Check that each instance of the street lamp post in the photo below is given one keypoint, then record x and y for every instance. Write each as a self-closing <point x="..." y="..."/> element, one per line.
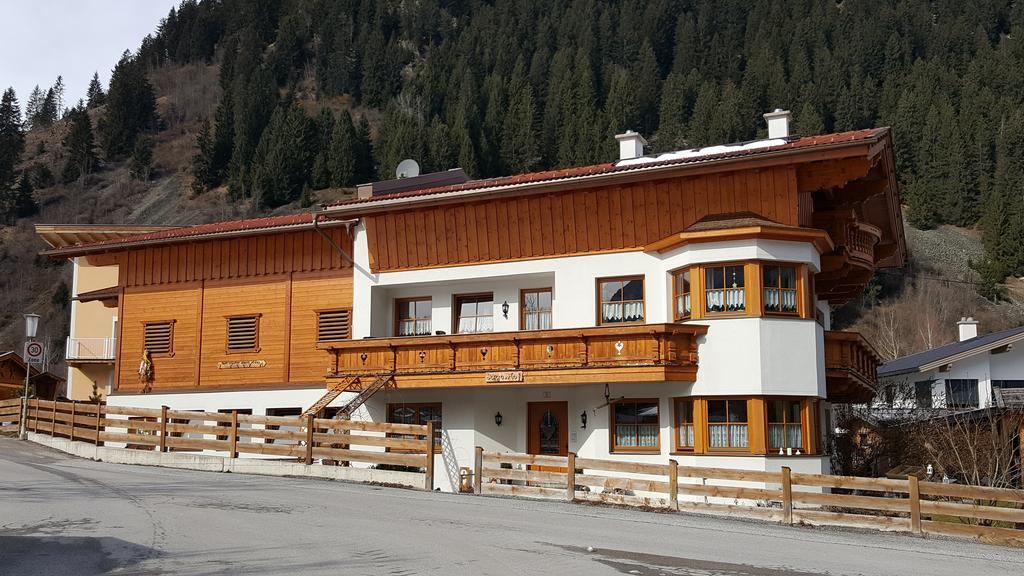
<point x="31" y="326"/>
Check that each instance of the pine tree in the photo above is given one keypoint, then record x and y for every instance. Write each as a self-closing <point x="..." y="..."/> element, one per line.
<point x="80" y="147"/>
<point x="519" y="146"/>
<point x="12" y="138"/>
<point x="58" y="95"/>
<point x="35" y="100"/>
<point x="645" y="78"/>
<point x="140" y="165"/>
<point x="442" y="153"/>
<point x="95" y="94"/>
<point x="23" y="204"/>
<point x="342" y="160"/>
<point x="202" y="162"/>
<point x="131" y="108"/>
<point x="284" y="157"/>
<point x="321" y="176"/>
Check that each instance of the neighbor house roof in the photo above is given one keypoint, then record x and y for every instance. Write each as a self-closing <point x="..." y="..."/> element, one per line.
<point x="937" y="357"/>
<point x="63" y="235"/>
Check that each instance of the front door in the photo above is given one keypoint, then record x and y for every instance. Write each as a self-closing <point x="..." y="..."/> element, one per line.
<point x="548" y="425"/>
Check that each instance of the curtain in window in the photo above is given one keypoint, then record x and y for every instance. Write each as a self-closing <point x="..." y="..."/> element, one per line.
<point x="467" y="325"/>
<point x="634" y="311"/>
<point x="683" y="305"/>
<point x="636" y="435"/>
<point x="718" y="435"/>
<point x="734" y="299"/>
<point x="738" y="435"/>
<point x="785" y="436"/>
<point x="538" y="321"/>
<point x="686" y="435"/>
<point x="622" y="312"/>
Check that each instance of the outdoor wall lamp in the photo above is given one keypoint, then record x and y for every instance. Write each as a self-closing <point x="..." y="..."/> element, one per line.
<point x="504" y="309"/>
<point x="497" y="418"/>
<point x="583" y="419"/>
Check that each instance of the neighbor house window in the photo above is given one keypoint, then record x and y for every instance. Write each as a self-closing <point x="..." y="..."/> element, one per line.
<point x="780" y="295"/>
<point x="635" y="424"/>
<point x="412" y="317"/>
<point x="681" y="294"/>
<point x="724" y="290"/>
<point x="727" y="424"/>
<point x="158" y="337"/>
<point x="785" y="429"/>
<point x="536" y="309"/>
<point x="923" y="394"/>
<point x="961" y="393"/>
<point x="243" y="333"/>
<point x="622" y="300"/>
<point x="333" y="325"/>
<point x="417" y="413"/>
<point x="475" y="313"/>
<point x="684" y="424"/>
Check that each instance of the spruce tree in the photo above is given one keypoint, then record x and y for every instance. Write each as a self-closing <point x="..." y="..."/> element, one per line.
<point x="202" y="161"/>
<point x="12" y="138"/>
<point x="35" y="100"/>
<point x="519" y="145"/>
<point x="95" y="95"/>
<point x="79" y="146"/>
<point x="140" y="165"/>
<point x="24" y="204"/>
<point x="284" y="157"/>
<point x="131" y="108"/>
<point x="342" y="159"/>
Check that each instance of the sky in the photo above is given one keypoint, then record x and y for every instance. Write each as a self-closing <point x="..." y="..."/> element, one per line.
<point x="42" y="39"/>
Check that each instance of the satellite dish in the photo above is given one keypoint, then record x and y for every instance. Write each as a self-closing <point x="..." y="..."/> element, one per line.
<point x="407" y="168"/>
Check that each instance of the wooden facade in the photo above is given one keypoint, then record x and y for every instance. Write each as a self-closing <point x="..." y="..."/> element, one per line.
<point x="284" y="278"/>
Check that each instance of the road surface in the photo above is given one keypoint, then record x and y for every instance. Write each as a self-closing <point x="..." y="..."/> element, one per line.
<point x="63" y="515"/>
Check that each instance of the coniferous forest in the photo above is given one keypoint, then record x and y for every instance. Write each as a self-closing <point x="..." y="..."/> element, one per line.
<point x="317" y="94"/>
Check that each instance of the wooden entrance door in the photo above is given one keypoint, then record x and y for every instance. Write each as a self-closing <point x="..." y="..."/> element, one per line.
<point x="548" y="428"/>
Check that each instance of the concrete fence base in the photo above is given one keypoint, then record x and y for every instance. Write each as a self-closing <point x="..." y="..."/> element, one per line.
<point x="206" y="463"/>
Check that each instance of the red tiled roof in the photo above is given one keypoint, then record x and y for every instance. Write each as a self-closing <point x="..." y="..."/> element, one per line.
<point x="611" y="167"/>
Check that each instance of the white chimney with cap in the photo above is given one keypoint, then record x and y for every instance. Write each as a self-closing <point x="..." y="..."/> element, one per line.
<point x="631" y="145"/>
<point x="778" y="123"/>
<point x="968" y="328"/>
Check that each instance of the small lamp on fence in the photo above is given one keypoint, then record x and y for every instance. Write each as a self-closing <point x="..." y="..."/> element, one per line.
<point x="583" y="419"/>
<point x="497" y="418"/>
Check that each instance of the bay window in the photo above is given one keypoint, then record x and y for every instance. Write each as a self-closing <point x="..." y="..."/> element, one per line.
<point x="684" y="424"/>
<point x="724" y="289"/>
<point x="728" y="426"/>
<point x="681" y="295"/>
<point x="785" y="429"/>
<point x="780" y="296"/>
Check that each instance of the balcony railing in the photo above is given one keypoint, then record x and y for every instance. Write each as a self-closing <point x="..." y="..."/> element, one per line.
<point x="644" y="352"/>
<point x="851" y="367"/>
<point x="91" y="349"/>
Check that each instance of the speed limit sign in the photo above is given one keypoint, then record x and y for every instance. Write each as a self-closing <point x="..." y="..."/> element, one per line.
<point x="33" y="352"/>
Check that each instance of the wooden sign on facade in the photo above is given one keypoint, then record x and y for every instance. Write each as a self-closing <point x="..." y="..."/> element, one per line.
<point x="232" y="364"/>
<point x="506" y="376"/>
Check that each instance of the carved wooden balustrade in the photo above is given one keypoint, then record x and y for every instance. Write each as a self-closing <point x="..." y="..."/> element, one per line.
<point x="645" y="352"/>
<point x="851" y="367"/>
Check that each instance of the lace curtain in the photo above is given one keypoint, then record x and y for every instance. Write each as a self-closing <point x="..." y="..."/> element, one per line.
<point x="419" y="327"/>
<point x="776" y="300"/>
<point x="537" y="320"/>
<point x="636" y="435"/>
<point x="785" y="436"/>
<point x="726" y="300"/>
<point x="623" y="311"/>
<point x="727" y="435"/>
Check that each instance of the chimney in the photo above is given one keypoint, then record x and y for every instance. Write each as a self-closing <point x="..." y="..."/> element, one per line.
<point x="631" y="145"/>
<point x="968" y="328"/>
<point x="778" y="123"/>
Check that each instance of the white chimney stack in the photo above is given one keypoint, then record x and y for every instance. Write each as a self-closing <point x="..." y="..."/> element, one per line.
<point x="778" y="123"/>
<point x="631" y="145"/>
<point x="968" y="328"/>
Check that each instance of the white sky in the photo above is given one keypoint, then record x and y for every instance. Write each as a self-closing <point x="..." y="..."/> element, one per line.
<point x="42" y="39"/>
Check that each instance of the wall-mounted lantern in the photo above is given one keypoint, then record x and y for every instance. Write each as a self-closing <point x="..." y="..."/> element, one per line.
<point x="504" y="309"/>
<point x="497" y="418"/>
<point x="583" y="419"/>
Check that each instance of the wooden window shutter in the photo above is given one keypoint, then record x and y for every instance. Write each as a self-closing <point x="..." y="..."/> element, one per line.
<point x="243" y="333"/>
<point x="333" y="325"/>
<point x="157" y="337"/>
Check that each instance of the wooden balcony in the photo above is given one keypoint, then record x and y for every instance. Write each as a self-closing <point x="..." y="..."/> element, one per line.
<point x="851" y="365"/>
<point x="640" y="353"/>
<point x="845" y="271"/>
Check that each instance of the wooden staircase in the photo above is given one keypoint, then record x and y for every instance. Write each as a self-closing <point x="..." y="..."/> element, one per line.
<point x="352" y="405"/>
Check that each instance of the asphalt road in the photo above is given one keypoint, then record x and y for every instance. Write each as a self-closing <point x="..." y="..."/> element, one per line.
<point x="63" y="515"/>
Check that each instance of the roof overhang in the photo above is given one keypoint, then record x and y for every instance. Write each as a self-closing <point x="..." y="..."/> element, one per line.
<point x="101" y="295"/>
<point x="64" y="235"/>
<point x="821" y="240"/>
<point x="946" y="360"/>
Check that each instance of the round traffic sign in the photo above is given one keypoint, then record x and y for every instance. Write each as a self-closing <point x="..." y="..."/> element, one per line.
<point x="34" y="350"/>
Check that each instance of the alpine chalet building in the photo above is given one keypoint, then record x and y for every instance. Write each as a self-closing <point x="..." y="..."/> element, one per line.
<point x="659" y="306"/>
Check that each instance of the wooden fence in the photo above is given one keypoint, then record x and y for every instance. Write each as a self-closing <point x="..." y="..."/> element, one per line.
<point x="10" y="415"/>
<point x="303" y="438"/>
<point x="988" y="514"/>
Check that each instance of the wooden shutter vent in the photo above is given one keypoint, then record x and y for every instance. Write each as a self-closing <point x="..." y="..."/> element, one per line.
<point x="157" y="337"/>
<point x="333" y="325"/>
<point x="243" y="333"/>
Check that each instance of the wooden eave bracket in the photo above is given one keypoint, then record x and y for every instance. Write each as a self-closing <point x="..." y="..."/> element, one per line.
<point x="821" y="239"/>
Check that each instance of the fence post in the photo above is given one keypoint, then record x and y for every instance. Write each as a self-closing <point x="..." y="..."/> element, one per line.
<point x="233" y="449"/>
<point x="787" y="495"/>
<point x="478" y="466"/>
<point x="570" y="477"/>
<point x="99" y="417"/>
<point x="35" y="421"/>
<point x="309" y="439"/>
<point x="163" y="429"/>
<point x="673" y="485"/>
<point x="74" y="405"/>
<point x="428" y="480"/>
<point x="53" y="418"/>
<point x="915" y="504"/>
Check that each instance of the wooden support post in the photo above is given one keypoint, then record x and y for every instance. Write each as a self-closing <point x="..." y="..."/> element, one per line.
<point x="915" y="504"/>
<point x="163" y="429"/>
<point x="478" y="466"/>
<point x="570" y="477"/>
<point x="428" y="480"/>
<point x="53" y="418"/>
<point x="309" y="439"/>
<point x="233" y="449"/>
<point x="73" y="410"/>
<point x="99" y="417"/>
<point x="673" y="485"/>
<point x="787" y="495"/>
<point x="35" y="418"/>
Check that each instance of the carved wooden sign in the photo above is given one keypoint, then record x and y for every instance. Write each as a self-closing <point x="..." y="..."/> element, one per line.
<point x="232" y="364"/>
<point x="506" y="376"/>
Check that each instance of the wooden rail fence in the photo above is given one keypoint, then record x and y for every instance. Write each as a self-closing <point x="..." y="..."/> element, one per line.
<point x="304" y="438"/>
<point x="10" y="415"/>
<point x="988" y="514"/>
